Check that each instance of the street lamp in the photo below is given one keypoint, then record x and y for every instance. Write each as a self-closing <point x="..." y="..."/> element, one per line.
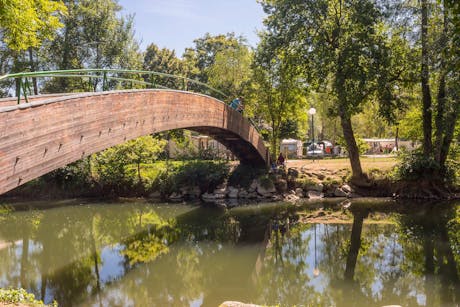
<point x="312" y="112"/>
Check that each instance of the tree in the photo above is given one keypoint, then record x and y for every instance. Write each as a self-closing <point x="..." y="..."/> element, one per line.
<point x="145" y="149"/>
<point x="26" y="23"/>
<point x="231" y="70"/>
<point x="439" y="70"/>
<point x="94" y="36"/>
<point x="164" y="61"/>
<point x="203" y="54"/>
<point x="342" y="46"/>
<point x="276" y="90"/>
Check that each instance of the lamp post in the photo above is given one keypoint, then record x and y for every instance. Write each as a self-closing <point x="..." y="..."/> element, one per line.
<point x="312" y="112"/>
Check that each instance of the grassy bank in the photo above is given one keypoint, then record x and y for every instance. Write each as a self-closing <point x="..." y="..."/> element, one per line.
<point x="192" y="178"/>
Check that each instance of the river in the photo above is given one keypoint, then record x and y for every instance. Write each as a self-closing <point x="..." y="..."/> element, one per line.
<point x="132" y="253"/>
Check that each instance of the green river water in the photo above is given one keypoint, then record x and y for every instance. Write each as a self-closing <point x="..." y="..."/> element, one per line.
<point x="138" y="254"/>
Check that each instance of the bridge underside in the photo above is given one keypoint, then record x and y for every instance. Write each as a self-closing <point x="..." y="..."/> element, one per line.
<point x="51" y="132"/>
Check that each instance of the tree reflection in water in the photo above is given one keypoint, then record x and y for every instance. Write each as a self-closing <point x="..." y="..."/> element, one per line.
<point x="138" y="255"/>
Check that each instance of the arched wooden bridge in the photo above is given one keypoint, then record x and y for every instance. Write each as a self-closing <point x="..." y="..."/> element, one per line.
<point x="51" y="131"/>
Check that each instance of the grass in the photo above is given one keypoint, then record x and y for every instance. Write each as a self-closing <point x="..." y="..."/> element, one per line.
<point x="367" y="163"/>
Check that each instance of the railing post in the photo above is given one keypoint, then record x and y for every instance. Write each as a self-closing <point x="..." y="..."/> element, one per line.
<point x="104" y="82"/>
<point x="25" y="87"/>
<point x="18" y="89"/>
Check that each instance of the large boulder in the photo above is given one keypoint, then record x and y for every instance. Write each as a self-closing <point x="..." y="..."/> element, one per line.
<point x="299" y="192"/>
<point x="338" y="192"/>
<point x="265" y="190"/>
<point x="293" y="172"/>
<point x="291" y="197"/>
<point x="220" y="192"/>
<point x="232" y="192"/>
<point x="253" y="186"/>
<point x="243" y="193"/>
<point x="176" y="196"/>
<point x="346" y="188"/>
<point x="208" y="197"/>
<point x="315" y="194"/>
<point x="281" y="185"/>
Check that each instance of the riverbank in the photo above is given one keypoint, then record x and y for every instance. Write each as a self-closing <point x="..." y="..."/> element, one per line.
<point x="228" y="183"/>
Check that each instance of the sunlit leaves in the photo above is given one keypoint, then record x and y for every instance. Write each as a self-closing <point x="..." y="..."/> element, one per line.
<point x="26" y="23"/>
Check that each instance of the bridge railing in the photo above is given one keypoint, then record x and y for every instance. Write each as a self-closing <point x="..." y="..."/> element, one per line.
<point x="108" y="79"/>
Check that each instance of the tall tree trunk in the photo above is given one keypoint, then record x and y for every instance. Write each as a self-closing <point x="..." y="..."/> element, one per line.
<point x="425" y="79"/>
<point x="440" y="120"/>
<point x="352" y="147"/>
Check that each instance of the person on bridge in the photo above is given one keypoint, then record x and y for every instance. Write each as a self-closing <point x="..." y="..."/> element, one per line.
<point x="240" y="107"/>
<point x="235" y="104"/>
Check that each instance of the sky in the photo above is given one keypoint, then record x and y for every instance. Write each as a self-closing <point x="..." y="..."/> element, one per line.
<point x="174" y="24"/>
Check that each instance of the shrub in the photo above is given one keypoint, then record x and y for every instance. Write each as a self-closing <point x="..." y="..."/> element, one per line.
<point x="20" y="296"/>
<point x="266" y="182"/>
<point x="243" y="175"/>
<point x="207" y="175"/>
<point x="414" y="166"/>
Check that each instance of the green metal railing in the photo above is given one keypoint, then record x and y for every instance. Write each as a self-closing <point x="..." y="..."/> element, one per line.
<point x="23" y="84"/>
<point x="23" y="81"/>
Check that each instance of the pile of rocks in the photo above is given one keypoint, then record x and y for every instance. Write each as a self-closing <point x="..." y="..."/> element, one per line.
<point x="258" y="190"/>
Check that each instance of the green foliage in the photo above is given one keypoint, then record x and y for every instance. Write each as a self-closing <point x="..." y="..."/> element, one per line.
<point x="112" y="173"/>
<point x="231" y="69"/>
<point x="304" y="182"/>
<point x="243" y="175"/>
<point x="276" y="94"/>
<point x="26" y="23"/>
<point x="95" y="35"/>
<point x="76" y="175"/>
<point x="202" y="56"/>
<point x="344" y="52"/>
<point x="415" y="166"/>
<point x="111" y="164"/>
<point x="165" y="61"/>
<point x="207" y="175"/>
<point x="290" y="129"/>
<point x="266" y="182"/>
<point x="20" y="296"/>
<point x="363" y="146"/>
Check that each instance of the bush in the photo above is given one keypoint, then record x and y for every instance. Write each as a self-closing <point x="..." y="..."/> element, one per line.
<point x="20" y="296"/>
<point x="266" y="182"/>
<point x="206" y="175"/>
<point x="414" y="166"/>
<point x="243" y="175"/>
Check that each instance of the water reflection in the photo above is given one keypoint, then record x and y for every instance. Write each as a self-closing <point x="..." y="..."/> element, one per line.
<point x="138" y="254"/>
